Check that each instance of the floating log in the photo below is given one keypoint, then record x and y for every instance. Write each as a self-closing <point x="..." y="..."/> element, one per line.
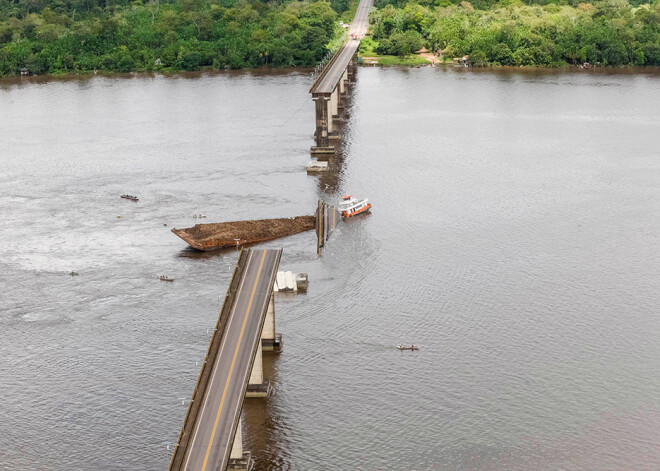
<point x="222" y="235"/>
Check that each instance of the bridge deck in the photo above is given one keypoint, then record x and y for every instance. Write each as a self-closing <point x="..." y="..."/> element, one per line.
<point x="329" y="78"/>
<point x="211" y="438"/>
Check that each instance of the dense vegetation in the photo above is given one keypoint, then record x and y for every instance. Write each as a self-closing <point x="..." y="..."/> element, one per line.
<point x="50" y="36"/>
<point x="607" y="32"/>
<point x="53" y="36"/>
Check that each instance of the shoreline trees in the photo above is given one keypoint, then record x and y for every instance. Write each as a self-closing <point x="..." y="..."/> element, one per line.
<point x="606" y="32"/>
<point x="51" y="36"/>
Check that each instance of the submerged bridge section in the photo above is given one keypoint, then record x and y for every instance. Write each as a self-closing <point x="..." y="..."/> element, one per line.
<point x="327" y="218"/>
<point x="329" y="88"/>
<point x="211" y="435"/>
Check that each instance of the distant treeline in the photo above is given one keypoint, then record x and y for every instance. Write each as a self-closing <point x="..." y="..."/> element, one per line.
<point x="545" y="33"/>
<point x="50" y="36"/>
<point x="53" y="36"/>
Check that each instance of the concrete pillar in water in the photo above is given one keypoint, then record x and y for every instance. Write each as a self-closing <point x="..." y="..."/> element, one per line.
<point x="257" y="373"/>
<point x="334" y="114"/>
<point x="237" y="447"/>
<point x="257" y="387"/>
<point x="321" y="133"/>
<point x="330" y="112"/>
<point x="335" y="103"/>
<point x="351" y="72"/>
<point x="238" y="459"/>
<point x="270" y="340"/>
<point x="323" y="150"/>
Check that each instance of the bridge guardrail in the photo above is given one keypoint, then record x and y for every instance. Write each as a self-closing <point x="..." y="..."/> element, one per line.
<point x="327" y="67"/>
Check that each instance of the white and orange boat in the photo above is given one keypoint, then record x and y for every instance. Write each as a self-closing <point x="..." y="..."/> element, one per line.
<point x="351" y="206"/>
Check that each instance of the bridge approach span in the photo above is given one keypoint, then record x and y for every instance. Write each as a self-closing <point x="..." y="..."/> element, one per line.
<point x="208" y="432"/>
<point x="328" y="90"/>
<point x="329" y="77"/>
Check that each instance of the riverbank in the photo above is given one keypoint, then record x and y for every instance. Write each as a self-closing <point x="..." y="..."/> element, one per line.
<point x="253" y="72"/>
<point x="8" y="82"/>
<point x="431" y="60"/>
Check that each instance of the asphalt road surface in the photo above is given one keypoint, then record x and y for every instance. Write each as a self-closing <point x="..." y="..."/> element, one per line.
<point x="359" y="28"/>
<point x="210" y="444"/>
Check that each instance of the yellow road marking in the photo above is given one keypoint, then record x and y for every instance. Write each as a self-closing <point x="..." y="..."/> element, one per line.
<point x="231" y="369"/>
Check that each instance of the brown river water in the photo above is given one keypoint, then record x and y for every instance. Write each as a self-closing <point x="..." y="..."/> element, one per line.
<point x="515" y="236"/>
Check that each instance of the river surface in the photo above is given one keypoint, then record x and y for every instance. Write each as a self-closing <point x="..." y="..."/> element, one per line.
<point x="515" y="236"/>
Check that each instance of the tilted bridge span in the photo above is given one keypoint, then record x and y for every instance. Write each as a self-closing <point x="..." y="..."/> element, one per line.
<point x="210" y="438"/>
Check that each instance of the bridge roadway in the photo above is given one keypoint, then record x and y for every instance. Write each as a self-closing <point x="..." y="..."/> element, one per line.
<point x="329" y="78"/>
<point x="210" y="444"/>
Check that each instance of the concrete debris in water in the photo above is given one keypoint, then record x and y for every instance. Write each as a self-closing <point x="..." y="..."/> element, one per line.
<point x="287" y="281"/>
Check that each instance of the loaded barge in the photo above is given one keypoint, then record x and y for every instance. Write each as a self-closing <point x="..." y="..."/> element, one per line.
<point x="223" y="235"/>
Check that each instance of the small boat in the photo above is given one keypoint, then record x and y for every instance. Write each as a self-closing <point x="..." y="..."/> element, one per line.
<point x="130" y="197"/>
<point x="406" y="347"/>
<point x="165" y="278"/>
<point x="351" y="206"/>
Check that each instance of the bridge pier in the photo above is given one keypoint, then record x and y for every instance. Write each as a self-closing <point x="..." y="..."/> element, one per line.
<point x="323" y="125"/>
<point x="331" y="115"/>
<point x="270" y="340"/>
<point x="257" y="385"/>
<point x="330" y="84"/>
<point x="342" y="85"/>
<point x="239" y="460"/>
<point x="350" y="70"/>
<point x="334" y="100"/>
<point x="328" y="106"/>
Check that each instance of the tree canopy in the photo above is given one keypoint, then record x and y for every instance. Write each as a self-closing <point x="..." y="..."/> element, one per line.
<point x="46" y="36"/>
<point x="509" y="32"/>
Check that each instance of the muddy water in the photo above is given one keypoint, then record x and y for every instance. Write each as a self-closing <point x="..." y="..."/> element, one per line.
<point x="514" y="237"/>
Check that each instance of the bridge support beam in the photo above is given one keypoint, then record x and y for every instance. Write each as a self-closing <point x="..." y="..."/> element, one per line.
<point x="334" y="100"/>
<point x="343" y="92"/>
<point x="238" y="459"/>
<point x="351" y="72"/>
<point x="323" y="125"/>
<point x="257" y="386"/>
<point x="270" y="340"/>
<point x="332" y="104"/>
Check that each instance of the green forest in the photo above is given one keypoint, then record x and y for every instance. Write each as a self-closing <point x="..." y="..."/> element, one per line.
<point x="64" y="36"/>
<point x="71" y="36"/>
<point x="605" y="32"/>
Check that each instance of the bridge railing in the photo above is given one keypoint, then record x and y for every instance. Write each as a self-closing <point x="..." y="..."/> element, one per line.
<point x="327" y="67"/>
<point x="176" y="463"/>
